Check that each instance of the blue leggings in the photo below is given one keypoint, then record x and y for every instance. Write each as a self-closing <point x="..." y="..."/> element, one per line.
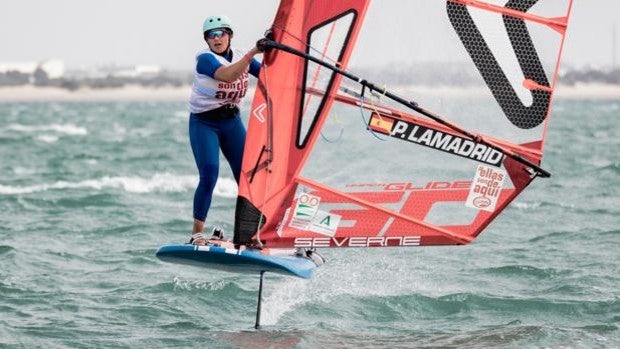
<point x="206" y="138"/>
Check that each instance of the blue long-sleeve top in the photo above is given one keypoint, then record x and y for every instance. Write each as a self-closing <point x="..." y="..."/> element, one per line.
<point x="207" y="64"/>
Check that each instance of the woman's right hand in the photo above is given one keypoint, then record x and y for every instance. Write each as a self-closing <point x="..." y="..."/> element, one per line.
<point x="261" y="45"/>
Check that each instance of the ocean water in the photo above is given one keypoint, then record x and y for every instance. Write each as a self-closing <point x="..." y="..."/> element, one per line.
<point x="88" y="191"/>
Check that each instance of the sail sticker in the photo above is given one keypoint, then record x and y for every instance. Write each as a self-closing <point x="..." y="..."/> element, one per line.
<point x="486" y="187"/>
<point x="325" y="223"/>
<point x="307" y="216"/>
<point x="305" y="210"/>
<point x="428" y="137"/>
<point x="381" y="124"/>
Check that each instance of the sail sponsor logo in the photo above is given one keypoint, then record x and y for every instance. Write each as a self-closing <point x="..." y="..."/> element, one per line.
<point x="307" y="216"/>
<point x="486" y="188"/>
<point x="325" y="223"/>
<point x="361" y="241"/>
<point x="306" y="207"/>
<point x="435" y="139"/>
<point x="396" y="186"/>
<point x="410" y="186"/>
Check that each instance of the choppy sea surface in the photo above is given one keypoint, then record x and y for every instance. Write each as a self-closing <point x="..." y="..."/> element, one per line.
<point x="88" y="191"/>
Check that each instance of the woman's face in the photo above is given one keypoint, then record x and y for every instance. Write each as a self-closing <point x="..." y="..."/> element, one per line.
<point x="218" y="40"/>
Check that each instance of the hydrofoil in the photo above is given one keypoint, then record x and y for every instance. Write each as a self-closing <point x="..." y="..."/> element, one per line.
<point x="222" y="255"/>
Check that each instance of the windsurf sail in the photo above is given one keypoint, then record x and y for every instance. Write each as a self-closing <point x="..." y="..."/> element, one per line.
<point x="408" y="168"/>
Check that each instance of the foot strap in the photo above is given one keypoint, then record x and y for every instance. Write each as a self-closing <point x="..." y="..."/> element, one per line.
<point x="197" y="236"/>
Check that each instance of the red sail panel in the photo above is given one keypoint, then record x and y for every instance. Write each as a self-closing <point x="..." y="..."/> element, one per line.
<point x="285" y="118"/>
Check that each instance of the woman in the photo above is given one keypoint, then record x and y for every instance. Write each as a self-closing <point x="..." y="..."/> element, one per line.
<point x="220" y="83"/>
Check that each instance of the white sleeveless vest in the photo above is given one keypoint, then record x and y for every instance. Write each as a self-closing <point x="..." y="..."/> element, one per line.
<point x="209" y="93"/>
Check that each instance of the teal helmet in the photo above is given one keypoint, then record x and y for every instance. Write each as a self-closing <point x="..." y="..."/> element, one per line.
<point x="215" y="22"/>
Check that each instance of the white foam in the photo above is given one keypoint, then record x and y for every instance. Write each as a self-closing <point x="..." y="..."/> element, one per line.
<point x="48" y="138"/>
<point x="283" y="299"/>
<point x="189" y="285"/>
<point x="181" y="114"/>
<point x="525" y="205"/>
<point x="68" y="129"/>
<point x="161" y="182"/>
<point x="225" y="188"/>
<point x="119" y="129"/>
<point x="23" y="170"/>
<point x="356" y="278"/>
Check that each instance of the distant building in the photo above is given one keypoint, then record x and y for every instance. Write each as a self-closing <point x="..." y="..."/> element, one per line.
<point x="22" y="67"/>
<point x="54" y="69"/>
<point x="137" y="71"/>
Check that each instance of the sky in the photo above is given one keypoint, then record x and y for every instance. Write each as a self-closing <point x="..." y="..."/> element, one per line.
<point x="86" y="33"/>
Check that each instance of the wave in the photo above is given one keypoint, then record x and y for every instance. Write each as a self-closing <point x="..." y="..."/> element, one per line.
<point x="164" y="182"/>
<point x="523" y="271"/>
<point x="526" y="205"/>
<point x="467" y="302"/>
<point x="68" y="129"/>
<point x="613" y="167"/>
<point x="565" y="235"/>
<point x="612" y="232"/>
<point x="4" y="249"/>
<point x="557" y="235"/>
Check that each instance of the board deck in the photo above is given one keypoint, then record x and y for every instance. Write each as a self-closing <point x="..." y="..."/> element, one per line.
<point x="251" y="261"/>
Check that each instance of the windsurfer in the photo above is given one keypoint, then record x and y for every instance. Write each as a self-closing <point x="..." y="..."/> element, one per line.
<point x="220" y="82"/>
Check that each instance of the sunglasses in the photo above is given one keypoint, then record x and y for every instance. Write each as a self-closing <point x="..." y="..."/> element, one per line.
<point x="216" y="33"/>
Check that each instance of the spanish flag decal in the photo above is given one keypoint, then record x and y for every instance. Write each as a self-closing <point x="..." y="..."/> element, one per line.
<point x="381" y="124"/>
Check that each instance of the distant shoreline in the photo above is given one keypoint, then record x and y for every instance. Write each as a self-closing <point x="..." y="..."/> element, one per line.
<point x="181" y="94"/>
<point x="128" y="93"/>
